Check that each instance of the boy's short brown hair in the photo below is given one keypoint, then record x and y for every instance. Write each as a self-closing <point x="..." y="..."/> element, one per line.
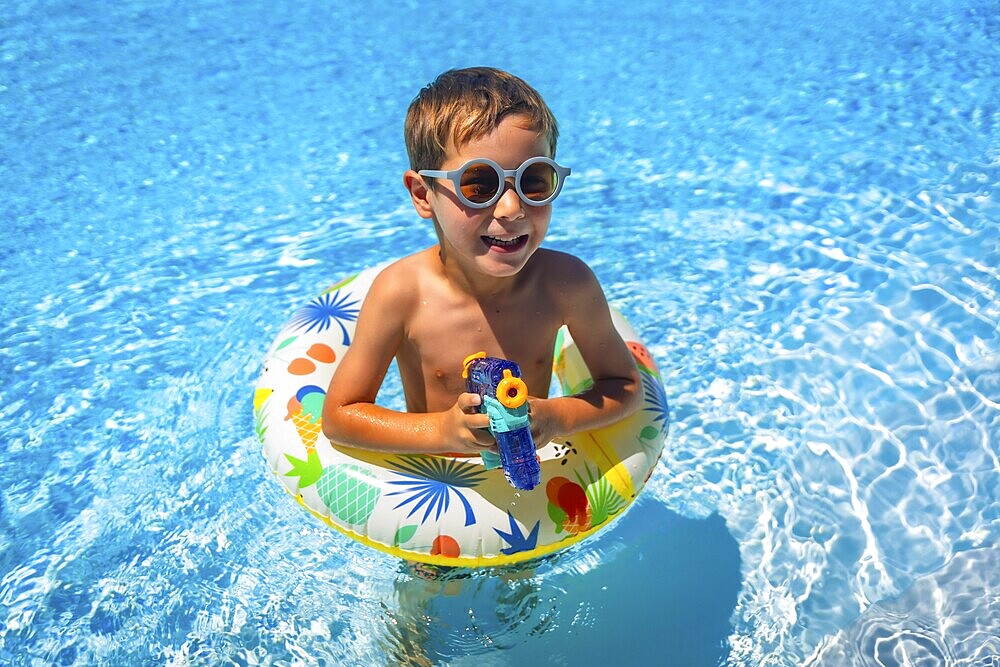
<point x="465" y="104"/>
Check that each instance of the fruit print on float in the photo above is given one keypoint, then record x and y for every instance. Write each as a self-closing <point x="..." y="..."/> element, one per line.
<point x="569" y="507"/>
<point x="642" y="356"/>
<point x="324" y="354"/>
<point x="445" y="545"/>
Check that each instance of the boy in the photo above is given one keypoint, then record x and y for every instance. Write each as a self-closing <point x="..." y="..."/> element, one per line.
<point x="486" y="285"/>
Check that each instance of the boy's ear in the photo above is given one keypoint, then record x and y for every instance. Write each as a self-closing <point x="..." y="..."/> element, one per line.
<point x="419" y="193"/>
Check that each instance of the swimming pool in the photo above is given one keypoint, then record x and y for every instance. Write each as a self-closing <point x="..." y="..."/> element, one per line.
<point x="795" y="204"/>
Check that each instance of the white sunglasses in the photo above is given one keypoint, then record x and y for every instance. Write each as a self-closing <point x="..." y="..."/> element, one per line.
<point x="480" y="182"/>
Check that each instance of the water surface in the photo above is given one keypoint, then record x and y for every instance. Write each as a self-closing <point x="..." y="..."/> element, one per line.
<point x="795" y="204"/>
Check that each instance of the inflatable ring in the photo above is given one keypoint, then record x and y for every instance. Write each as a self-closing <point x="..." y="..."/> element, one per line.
<point x="444" y="510"/>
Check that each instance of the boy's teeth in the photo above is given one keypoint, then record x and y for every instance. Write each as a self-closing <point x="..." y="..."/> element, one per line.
<point x="499" y="241"/>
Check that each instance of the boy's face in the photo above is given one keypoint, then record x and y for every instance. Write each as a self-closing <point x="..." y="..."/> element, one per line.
<point x="497" y="240"/>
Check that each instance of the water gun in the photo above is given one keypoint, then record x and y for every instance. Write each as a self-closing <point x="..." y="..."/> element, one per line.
<point x="498" y="382"/>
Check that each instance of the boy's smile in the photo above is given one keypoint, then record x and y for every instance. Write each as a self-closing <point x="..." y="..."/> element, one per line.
<point x="505" y="245"/>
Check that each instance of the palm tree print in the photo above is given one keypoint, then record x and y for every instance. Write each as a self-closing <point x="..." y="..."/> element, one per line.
<point x="604" y="500"/>
<point x="657" y="399"/>
<point x="324" y="311"/>
<point x="429" y="482"/>
<point x="517" y="541"/>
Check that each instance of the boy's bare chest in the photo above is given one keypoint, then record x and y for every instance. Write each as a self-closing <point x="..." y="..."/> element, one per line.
<point x="439" y="338"/>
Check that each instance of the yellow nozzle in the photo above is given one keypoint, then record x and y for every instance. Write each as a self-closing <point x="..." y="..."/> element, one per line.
<point x="468" y="360"/>
<point x="511" y="391"/>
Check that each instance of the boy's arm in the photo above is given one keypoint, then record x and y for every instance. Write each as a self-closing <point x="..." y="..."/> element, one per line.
<point x="616" y="392"/>
<point x="350" y="416"/>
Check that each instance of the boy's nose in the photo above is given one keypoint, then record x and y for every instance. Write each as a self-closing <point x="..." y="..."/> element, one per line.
<point x="509" y="205"/>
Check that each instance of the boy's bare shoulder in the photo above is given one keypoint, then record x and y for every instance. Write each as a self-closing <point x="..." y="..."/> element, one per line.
<point x="404" y="266"/>
<point x="412" y="266"/>
<point x="398" y="282"/>
<point x="562" y="270"/>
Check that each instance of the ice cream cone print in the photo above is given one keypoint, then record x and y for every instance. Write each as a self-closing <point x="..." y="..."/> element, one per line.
<point x="308" y="430"/>
<point x="305" y="410"/>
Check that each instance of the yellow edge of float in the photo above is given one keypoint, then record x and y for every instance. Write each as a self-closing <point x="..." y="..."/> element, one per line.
<point x="492" y="561"/>
<point x="610" y="464"/>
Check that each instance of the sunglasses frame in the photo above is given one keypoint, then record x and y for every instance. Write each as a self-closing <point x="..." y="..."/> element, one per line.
<point x="455" y="176"/>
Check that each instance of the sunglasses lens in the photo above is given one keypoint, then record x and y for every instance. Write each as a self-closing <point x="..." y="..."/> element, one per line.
<point x="479" y="183"/>
<point x="539" y="181"/>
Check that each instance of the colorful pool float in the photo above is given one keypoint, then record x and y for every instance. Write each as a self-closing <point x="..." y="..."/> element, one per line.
<point x="436" y="509"/>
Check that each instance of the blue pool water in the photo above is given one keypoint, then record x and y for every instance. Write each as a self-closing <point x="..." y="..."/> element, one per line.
<point x="795" y="204"/>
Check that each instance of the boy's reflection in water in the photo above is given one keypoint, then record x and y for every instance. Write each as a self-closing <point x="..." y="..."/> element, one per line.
<point x="443" y="613"/>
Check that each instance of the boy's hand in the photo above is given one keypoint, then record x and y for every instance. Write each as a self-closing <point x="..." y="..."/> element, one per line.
<point x="465" y="429"/>
<point x="544" y="424"/>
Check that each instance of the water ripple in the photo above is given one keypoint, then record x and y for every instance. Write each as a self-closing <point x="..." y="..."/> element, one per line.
<point x="930" y="623"/>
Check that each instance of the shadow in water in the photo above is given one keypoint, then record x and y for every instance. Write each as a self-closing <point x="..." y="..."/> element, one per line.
<point x="657" y="588"/>
<point x="667" y="596"/>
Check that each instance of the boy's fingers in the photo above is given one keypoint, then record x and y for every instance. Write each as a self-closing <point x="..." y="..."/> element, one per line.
<point x="479" y="422"/>
<point x="469" y="402"/>
<point x="483" y="437"/>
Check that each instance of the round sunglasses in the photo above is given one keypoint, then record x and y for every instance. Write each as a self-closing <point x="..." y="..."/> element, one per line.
<point x="480" y="182"/>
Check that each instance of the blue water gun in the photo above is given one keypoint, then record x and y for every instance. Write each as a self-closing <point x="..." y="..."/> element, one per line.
<point x="498" y="382"/>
